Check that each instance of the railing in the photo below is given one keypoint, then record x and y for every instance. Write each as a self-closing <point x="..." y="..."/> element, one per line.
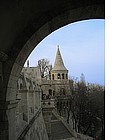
<point x="55" y="81"/>
<point x="76" y="136"/>
<point x="21" y="134"/>
<point x="84" y="137"/>
<point x="49" y="103"/>
<point x="20" y="123"/>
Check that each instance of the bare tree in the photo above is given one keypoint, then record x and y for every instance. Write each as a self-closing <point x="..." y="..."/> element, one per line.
<point x="87" y="107"/>
<point x="45" y="67"/>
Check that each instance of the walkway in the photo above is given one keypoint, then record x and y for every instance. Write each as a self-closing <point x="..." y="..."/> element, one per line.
<point x="59" y="131"/>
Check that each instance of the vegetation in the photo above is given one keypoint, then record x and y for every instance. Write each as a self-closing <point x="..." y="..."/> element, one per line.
<point x="86" y="104"/>
<point x="86" y="108"/>
<point x="45" y="67"/>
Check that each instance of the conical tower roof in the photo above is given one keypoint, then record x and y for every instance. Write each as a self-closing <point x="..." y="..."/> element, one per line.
<point x="59" y="65"/>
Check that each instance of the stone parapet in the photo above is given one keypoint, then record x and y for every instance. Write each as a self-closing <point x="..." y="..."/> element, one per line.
<point x="54" y="82"/>
<point x="48" y="104"/>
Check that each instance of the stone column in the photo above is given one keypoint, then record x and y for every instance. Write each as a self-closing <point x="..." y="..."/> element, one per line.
<point x="24" y="104"/>
<point x="11" y="112"/>
<point x="47" y="107"/>
<point x="8" y="120"/>
<point x="7" y="108"/>
<point x="39" y="98"/>
<point x="4" y="124"/>
<point x="35" y="101"/>
<point x="31" y="104"/>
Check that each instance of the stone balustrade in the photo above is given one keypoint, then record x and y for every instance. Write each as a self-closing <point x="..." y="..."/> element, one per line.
<point x="29" y="118"/>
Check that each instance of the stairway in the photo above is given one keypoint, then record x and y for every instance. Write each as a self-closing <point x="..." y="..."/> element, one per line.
<point x="59" y="131"/>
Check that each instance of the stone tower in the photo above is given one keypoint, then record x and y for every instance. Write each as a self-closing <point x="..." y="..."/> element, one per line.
<point x="59" y="71"/>
<point x="58" y="84"/>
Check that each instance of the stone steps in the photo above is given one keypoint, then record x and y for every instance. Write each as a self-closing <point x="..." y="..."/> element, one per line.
<point x="59" y="131"/>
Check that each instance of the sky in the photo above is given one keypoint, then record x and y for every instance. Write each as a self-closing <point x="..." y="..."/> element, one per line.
<point x="82" y="46"/>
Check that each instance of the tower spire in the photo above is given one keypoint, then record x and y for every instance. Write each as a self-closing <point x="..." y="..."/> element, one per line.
<point x="59" y="65"/>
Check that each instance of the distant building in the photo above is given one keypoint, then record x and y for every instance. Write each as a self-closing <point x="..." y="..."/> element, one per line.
<point x="43" y="101"/>
<point x="58" y="83"/>
<point x="28" y="97"/>
<point x="32" y="73"/>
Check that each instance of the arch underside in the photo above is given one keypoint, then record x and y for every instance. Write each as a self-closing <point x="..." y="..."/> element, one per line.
<point x="23" y="25"/>
<point x="21" y="54"/>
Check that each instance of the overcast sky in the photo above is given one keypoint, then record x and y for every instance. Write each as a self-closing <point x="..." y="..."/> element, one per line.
<point x="82" y="48"/>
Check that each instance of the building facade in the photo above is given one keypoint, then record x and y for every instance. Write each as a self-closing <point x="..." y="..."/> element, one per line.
<point x="29" y="120"/>
<point x="58" y="83"/>
<point x="42" y="104"/>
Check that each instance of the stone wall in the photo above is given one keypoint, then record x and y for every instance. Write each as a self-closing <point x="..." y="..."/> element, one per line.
<point x="57" y="87"/>
<point x="76" y="136"/>
<point x="29" y="120"/>
<point x="35" y="130"/>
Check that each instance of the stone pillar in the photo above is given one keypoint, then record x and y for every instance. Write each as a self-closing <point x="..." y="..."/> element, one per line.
<point x="8" y="120"/>
<point x="11" y="112"/>
<point x="39" y="98"/>
<point x="35" y="101"/>
<point x="4" y="123"/>
<point x="30" y="104"/>
<point x="19" y="106"/>
<point x="8" y="102"/>
<point x="47" y="107"/>
<point x="24" y="104"/>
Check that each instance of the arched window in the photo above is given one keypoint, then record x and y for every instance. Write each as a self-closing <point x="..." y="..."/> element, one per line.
<point x="17" y="86"/>
<point x="67" y="103"/>
<point x="63" y="76"/>
<point x="58" y="76"/>
<point x="53" y="76"/>
<point x="66" y="76"/>
<point x="53" y="93"/>
<point x="50" y="92"/>
<point x="50" y="76"/>
<point x="21" y="86"/>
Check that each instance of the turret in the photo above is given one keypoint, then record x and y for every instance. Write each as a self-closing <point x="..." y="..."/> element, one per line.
<point x="59" y="71"/>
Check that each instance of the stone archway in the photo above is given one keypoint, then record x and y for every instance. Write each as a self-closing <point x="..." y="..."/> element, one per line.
<point x="26" y="32"/>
